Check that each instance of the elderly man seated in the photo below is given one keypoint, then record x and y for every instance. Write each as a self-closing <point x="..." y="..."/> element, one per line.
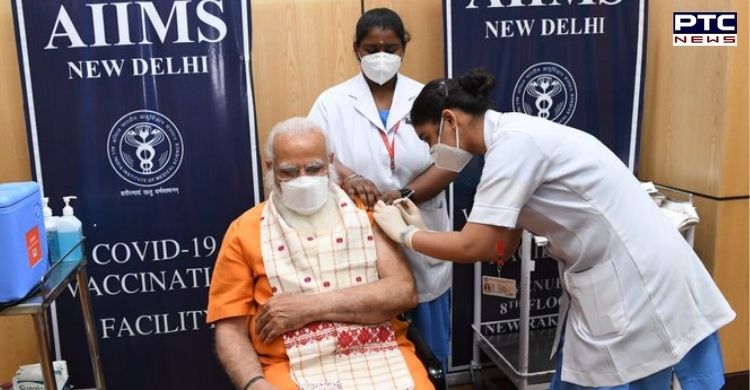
<point x="306" y="288"/>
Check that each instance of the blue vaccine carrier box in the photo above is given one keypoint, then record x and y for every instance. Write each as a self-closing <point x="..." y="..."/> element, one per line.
<point x="23" y="242"/>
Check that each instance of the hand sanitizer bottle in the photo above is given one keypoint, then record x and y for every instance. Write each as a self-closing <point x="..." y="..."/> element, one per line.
<point x="69" y="232"/>
<point x="50" y="226"/>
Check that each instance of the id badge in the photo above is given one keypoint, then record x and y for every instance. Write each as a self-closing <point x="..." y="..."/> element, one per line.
<point x="499" y="287"/>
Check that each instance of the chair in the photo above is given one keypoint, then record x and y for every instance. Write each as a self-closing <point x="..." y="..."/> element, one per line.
<point x="425" y="355"/>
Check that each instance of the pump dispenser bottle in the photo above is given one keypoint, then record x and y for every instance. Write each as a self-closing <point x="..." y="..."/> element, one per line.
<point x="69" y="231"/>
<point x="50" y="226"/>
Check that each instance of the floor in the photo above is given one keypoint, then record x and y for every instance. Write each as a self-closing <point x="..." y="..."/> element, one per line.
<point x="492" y="380"/>
<point x="489" y="385"/>
<point x="736" y="381"/>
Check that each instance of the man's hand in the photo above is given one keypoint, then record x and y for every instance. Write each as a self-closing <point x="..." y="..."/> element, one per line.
<point x="281" y="314"/>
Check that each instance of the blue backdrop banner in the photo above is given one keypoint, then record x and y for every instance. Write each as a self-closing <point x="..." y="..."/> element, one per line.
<point x="144" y="111"/>
<point x="575" y="62"/>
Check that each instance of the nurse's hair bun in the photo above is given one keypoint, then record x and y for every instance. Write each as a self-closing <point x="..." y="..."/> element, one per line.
<point x="469" y="93"/>
<point x="477" y="83"/>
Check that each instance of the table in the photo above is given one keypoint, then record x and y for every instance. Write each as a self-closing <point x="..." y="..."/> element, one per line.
<point x="53" y="283"/>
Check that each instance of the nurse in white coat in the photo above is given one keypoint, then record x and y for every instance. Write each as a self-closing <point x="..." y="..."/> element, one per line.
<point x="637" y="303"/>
<point x="379" y="156"/>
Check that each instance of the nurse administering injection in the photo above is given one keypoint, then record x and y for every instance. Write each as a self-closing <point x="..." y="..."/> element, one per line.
<point x="637" y="306"/>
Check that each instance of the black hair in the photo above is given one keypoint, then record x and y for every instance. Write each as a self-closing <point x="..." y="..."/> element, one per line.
<point x="384" y="18"/>
<point x="469" y="93"/>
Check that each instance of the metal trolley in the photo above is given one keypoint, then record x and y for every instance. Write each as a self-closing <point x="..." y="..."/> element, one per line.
<point x="524" y="358"/>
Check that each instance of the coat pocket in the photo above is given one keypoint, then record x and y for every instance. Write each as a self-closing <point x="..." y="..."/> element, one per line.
<point x="598" y="297"/>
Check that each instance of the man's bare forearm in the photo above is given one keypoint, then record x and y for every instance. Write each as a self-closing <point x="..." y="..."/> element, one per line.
<point x="367" y="303"/>
<point x="371" y="303"/>
<point x="236" y="352"/>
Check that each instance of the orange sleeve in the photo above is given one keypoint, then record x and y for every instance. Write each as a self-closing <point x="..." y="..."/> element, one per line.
<point x="361" y="205"/>
<point x="415" y="366"/>
<point x="232" y="283"/>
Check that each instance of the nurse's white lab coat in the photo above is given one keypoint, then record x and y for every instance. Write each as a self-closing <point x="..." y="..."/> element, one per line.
<point x="348" y="114"/>
<point x="637" y="297"/>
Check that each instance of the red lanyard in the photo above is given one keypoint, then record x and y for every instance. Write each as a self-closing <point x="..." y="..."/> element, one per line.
<point x="499" y="260"/>
<point x="391" y="147"/>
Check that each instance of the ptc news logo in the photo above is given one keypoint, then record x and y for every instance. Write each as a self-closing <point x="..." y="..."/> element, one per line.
<point x="704" y="29"/>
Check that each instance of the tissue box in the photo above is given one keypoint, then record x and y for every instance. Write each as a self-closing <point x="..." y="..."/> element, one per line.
<point x="23" y="241"/>
<point x="29" y="377"/>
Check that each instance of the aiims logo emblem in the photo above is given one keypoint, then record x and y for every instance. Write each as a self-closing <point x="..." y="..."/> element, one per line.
<point x="546" y="90"/>
<point x="704" y="29"/>
<point x="145" y="148"/>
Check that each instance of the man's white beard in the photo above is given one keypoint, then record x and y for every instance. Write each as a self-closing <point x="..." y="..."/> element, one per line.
<point x="320" y="222"/>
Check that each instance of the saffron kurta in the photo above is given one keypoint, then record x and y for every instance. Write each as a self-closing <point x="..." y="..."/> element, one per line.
<point x="239" y="285"/>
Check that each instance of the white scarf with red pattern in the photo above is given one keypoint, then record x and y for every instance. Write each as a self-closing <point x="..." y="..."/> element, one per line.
<point x="330" y="355"/>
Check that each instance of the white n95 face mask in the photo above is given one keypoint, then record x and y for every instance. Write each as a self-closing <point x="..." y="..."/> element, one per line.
<point x="451" y="158"/>
<point x="305" y="195"/>
<point x="380" y="67"/>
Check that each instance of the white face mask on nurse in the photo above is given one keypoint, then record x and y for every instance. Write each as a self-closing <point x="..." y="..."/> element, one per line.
<point x="380" y="53"/>
<point x="451" y="158"/>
